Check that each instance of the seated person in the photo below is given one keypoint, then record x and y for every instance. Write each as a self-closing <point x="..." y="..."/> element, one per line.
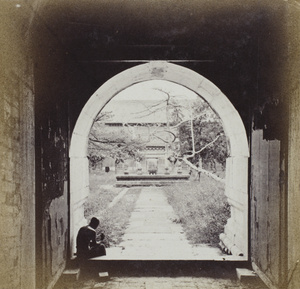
<point x="87" y="246"/>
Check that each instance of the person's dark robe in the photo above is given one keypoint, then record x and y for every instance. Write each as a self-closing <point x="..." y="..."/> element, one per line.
<point x="87" y="246"/>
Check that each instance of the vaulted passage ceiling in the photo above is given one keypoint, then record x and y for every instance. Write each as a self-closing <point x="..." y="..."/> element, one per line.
<point x="200" y="30"/>
<point x="233" y="44"/>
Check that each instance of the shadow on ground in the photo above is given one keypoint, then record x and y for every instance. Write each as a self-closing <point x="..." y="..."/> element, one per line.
<point x="161" y="274"/>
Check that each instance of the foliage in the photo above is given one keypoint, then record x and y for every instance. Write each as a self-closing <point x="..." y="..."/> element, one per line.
<point x="119" y="145"/>
<point x="192" y="131"/>
<point x="208" y="141"/>
<point x="201" y="208"/>
<point x="198" y="129"/>
<point x="94" y="159"/>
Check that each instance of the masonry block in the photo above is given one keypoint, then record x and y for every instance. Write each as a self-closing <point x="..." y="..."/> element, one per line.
<point x="78" y="145"/>
<point x="246" y="276"/>
<point x="70" y="275"/>
<point x="104" y="276"/>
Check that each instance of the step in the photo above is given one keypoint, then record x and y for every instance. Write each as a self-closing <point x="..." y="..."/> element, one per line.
<point x="246" y="275"/>
<point x="70" y="275"/>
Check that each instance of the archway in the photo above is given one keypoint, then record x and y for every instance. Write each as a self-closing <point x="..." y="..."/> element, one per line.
<point x="235" y="237"/>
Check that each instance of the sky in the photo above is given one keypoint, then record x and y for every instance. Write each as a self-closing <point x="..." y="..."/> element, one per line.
<point x="134" y="103"/>
<point x="147" y="90"/>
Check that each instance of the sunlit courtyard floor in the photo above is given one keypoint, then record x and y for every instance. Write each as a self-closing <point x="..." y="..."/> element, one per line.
<point x="153" y="234"/>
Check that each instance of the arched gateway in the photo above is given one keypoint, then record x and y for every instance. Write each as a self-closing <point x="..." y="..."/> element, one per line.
<point x="236" y="230"/>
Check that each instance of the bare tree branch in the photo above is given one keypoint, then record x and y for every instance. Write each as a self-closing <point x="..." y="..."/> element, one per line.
<point x="151" y="112"/>
<point x="148" y="108"/>
<point x="174" y="136"/>
<point x="103" y="116"/>
<point x="192" y="133"/>
<point x="202" y="149"/>
<point x="211" y="175"/>
<point x="107" y="141"/>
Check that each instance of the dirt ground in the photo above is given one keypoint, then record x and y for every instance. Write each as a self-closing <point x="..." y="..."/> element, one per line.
<point x="160" y="283"/>
<point x="160" y="275"/>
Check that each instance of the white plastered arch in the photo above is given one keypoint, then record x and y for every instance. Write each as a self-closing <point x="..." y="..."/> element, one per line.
<point x="236" y="230"/>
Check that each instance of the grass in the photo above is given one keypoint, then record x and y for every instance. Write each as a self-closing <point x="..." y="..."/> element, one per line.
<point x="201" y="208"/>
<point x="114" y="220"/>
<point x="99" y="177"/>
<point x="102" y="192"/>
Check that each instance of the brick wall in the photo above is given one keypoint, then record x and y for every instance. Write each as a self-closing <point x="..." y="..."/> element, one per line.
<point x="51" y="148"/>
<point x="33" y="122"/>
<point x="17" y="221"/>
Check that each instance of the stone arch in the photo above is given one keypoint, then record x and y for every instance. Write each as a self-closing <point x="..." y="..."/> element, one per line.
<point x="235" y="237"/>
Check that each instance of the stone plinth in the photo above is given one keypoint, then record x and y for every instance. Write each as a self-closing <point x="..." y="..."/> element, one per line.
<point x="148" y="180"/>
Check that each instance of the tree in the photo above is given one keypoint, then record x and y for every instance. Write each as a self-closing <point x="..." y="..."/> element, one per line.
<point x="199" y="131"/>
<point x="104" y="142"/>
<point x="119" y="145"/>
<point x="209" y="143"/>
<point x="192" y="131"/>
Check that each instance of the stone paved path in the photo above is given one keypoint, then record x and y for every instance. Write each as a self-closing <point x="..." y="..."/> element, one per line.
<point x="152" y="234"/>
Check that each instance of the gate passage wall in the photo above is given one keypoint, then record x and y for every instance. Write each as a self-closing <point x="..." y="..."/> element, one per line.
<point x="236" y="231"/>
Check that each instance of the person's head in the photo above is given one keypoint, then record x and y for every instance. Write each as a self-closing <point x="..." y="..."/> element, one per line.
<point x="94" y="223"/>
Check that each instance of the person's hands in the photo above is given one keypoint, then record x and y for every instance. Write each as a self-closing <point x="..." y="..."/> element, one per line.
<point x="102" y="236"/>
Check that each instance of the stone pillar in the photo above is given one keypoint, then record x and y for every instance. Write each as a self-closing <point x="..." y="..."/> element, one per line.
<point x="235" y="236"/>
<point x="79" y="191"/>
